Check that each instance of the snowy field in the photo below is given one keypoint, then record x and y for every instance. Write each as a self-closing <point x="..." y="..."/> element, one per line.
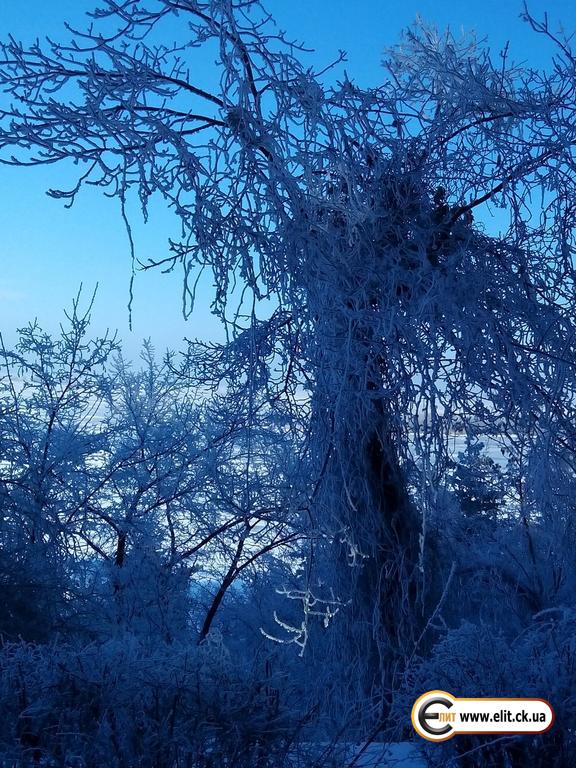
<point x="492" y="448"/>
<point x="401" y="755"/>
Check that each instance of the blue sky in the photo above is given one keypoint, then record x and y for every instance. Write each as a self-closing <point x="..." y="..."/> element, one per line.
<point x="47" y="250"/>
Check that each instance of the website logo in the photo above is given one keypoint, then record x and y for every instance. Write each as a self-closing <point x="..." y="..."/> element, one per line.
<point x="438" y="716"/>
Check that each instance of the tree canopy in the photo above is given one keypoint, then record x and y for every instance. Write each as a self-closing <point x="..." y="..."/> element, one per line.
<point x="372" y="310"/>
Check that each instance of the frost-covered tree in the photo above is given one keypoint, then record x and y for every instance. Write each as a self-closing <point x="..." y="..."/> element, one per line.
<point x="123" y="487"/>
<point x="50" y="393"/>
<point x="139" y="511"/>
<point x="368" y="293"/>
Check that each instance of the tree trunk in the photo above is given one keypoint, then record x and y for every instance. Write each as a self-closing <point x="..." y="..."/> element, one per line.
<point x="365" y="503"/>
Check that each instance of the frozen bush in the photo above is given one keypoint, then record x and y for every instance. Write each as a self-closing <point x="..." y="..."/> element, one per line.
<point x="123" y="704"/>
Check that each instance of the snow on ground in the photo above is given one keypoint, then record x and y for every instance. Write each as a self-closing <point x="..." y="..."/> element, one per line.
<point x="402" y="755"/>
<point x="492" y="447"/>
<point x="375" y="755"/>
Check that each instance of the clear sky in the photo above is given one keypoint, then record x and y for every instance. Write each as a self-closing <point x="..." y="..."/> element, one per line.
<point x="47" y="250"/>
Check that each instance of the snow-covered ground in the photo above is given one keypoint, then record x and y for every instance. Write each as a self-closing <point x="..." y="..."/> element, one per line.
<point x="375" y="755"/>
<point x="403" y="755"/>
<point x="492" y="447"/>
